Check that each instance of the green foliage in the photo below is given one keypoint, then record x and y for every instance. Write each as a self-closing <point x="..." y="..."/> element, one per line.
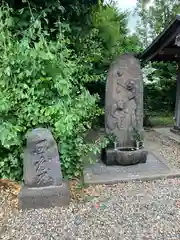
<point x="111" y="138"/>
<point x="77" y="13"/>
<point x="106" y="40"/>
<point x="53" y="66"/>
<point x="160" y="88"/>
<point x="111" y="25"/>
<point x="162" y="121"/>
<point x="153" y="19"/>
<point x="137" y="135"/>
<point x="39" y="87"/>
<point x="154" y="16"/>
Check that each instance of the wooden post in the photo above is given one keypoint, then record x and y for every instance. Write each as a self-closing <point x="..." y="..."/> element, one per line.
<point x="177" y="108"/>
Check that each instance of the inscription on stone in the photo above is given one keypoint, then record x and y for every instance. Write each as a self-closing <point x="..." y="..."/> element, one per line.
<point x="40" y="164"/>
<point x="41" y="159"/>
<point x="124" y="99"/>
<point x="43" y="186"/>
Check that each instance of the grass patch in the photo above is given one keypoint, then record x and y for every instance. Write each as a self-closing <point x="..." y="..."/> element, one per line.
<point x="162" y="121"/>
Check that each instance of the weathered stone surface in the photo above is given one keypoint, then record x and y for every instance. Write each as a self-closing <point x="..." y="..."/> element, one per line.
<point x="175" y="130"/>
<point x="124" y="158"/>
<point x="43" y="183"/>
<point x="44" y="197"/>
<point x="156" y="167"/>
<point x="124" y="99"/>
<point x="41" y="160"/>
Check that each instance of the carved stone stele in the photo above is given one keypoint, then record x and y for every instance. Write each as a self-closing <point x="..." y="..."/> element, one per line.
<point x="41" y="159"/>
<point x="124" y="112"/>
<point x="124" y="99"/>
<point x="43" y="183"/>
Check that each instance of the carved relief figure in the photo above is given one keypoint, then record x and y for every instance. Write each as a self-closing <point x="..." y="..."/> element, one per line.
<point x="119" y="110"/>
<point x="124" y="104"/>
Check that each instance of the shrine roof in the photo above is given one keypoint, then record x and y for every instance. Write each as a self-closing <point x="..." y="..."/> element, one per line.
<point x="166" y="46"/>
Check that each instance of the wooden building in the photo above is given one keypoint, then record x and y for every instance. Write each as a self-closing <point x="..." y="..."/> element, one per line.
<point x="166" y="47"/>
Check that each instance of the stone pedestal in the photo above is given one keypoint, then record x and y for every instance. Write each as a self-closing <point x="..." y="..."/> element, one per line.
<point x="175" y="130"/>
<point x="44" y="197"/>
<point x="124" y="156"/>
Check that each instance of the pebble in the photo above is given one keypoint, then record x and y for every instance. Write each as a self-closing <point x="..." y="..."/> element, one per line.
<point x="131" y="211"/>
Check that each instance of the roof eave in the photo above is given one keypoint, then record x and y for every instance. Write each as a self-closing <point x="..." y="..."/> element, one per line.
<point x="147" y="54"/>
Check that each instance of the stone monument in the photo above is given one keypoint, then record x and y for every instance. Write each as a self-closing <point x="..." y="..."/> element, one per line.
<point x="124" y="112"/>
<point x="43" y="183"/>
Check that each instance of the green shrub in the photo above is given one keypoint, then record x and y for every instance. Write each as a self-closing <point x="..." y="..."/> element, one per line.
<point x="39" y="87"/>
<point x="162" y="121"/>
<point x="159" y="87"/>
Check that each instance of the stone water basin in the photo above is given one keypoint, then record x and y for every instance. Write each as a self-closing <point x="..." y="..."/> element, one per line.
<point x="124" y="156"/>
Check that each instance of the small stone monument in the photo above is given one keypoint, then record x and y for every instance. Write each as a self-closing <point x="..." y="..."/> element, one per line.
<point x="124" y="112"/>
<point x="43" y="183"/>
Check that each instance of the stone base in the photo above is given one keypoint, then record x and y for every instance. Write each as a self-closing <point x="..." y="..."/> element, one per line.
<point x="44" y="197"/>
<point x="156" y="167"/>
<point x="175" y="130"/>
<point x="124" y="156"/>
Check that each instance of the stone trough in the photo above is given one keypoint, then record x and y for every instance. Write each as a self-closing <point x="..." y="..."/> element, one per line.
<point x="124" y="156"/>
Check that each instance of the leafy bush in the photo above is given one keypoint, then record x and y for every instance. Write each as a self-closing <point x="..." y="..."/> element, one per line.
<point x="162" y="120"/>
<point x="39" y="87"/>
<point x="159" y="87"/>
<point x="106" y="39"/>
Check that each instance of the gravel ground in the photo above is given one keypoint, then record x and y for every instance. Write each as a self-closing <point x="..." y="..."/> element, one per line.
<point x="169" y="149"/>
<point x="132" y="211"/>
<point x="8" y="200"/>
